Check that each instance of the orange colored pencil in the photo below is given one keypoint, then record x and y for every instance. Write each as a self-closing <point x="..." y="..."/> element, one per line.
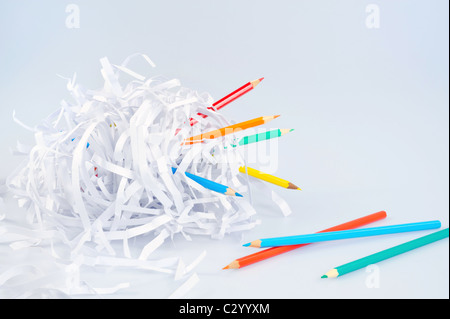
<point x="229" y="129"/>
<point x="274" y="251"/>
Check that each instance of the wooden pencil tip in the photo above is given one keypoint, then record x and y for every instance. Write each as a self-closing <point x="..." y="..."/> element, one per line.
<point x="292" y="186"/>
<point x="233" y="265"/>
<point x="256" y="82"/>
<point x="270" y="118"/>
<point x="255" y="243"/>
<point x="333" y="273"/>
<point x="284" y="131"/>
<point x="232" y="192"/>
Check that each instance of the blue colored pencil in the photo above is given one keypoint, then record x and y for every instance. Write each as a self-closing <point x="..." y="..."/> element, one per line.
<point x="343" y="234"/>
<point x="216" y="187"/>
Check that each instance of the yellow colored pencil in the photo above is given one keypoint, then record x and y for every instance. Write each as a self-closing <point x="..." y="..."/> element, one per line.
<point x="267" y="177"/>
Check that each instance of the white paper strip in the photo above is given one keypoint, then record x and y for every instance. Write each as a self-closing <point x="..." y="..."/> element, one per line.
<point x="185" y="287"/>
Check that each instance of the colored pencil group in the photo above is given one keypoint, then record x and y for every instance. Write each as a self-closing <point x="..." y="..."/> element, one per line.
<point x="275" y="251"/>
<point x="229" y="129"/>
<point x="235" y="128"/>
<point x="280" y="245"/>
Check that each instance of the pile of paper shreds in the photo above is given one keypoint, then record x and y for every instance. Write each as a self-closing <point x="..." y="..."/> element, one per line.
<point x="100" y="185"/>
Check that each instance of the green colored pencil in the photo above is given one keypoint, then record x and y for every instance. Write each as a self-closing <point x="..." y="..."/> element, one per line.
<point x="385" y="254"/>
<point x="262" y="136"/>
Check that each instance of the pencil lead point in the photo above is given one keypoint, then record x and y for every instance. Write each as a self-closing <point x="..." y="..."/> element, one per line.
<point x="232" y="192"/>
<point x="324" y="276"/>
<point x="292" y="186"/>
<point x="256" y="82"/>
<point x="226" y="267"/>
<point x="247" y="245"/>
<point x="275" y="116"/>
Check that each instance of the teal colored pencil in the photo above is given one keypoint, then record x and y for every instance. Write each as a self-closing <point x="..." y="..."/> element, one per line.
<point x="385" y="254"/>
<point x="262" y="136"/>
<point x="216" y="187"/>
<point x="343" y="234"/>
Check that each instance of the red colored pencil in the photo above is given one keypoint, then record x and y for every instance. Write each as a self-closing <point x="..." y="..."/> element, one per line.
<point x="230" y="98"/>
<point x="274" y="251"/>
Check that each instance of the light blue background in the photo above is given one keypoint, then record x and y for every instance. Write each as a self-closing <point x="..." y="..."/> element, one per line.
<point x="370" y="108"/>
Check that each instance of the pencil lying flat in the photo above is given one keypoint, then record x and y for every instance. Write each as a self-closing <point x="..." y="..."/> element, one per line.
<point x="267" y="177"/>
<point x="343" y="234"/>
<point x="275" y="251"/>
<point x="211" y="185"/>
<point x="388" y="253"/>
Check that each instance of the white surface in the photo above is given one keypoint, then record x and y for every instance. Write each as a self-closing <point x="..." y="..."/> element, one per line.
<point x="369" y="108"/>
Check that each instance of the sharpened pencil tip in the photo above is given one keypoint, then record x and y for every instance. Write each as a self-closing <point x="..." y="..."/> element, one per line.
<point x="234" y="265"/>
<point x="247" y="244"/>
<point x="324" y="276"/>
<point x="292" y="186"/>
<point x="256" y="82"/>
<point x="275" y="116"/>
<point x="232" y="192"/>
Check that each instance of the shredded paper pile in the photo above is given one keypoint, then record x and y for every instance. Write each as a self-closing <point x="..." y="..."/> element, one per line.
<point x="100" y="176"/>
